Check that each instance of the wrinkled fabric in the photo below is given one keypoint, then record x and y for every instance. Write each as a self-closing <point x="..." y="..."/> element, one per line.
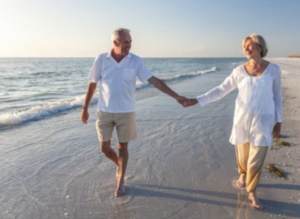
<point x="258" y="105"/>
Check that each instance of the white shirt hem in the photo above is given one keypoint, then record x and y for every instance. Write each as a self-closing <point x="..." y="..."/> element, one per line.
<point x="108" y="111"/>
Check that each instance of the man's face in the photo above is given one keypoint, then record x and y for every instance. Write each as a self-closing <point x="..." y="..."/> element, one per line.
<point x="125" y="43"/>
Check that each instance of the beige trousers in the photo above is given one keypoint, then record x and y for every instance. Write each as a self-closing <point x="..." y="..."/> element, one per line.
<point x="250" y="159"/>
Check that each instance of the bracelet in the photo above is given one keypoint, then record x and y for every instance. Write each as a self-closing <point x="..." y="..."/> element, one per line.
<point x="84" y="107"/>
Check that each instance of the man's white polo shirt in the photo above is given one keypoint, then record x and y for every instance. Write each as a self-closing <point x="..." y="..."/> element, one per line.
<point x="117" y="81"/>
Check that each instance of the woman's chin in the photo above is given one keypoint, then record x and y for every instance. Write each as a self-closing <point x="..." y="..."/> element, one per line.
<point x="249" y="56"/>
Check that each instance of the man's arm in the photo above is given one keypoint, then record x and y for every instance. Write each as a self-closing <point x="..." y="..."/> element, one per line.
<point x="159" y="84"/>
<point x="87" y="100"/>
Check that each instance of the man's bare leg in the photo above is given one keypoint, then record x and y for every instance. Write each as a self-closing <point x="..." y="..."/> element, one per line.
<point x="241" y="181"/>
<point x="122" y="164"/>
<point x="255" y="203"/>
<point x="109" y="152"/>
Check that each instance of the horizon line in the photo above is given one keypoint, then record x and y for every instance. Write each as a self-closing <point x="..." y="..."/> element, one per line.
<point x="94" y="57"/>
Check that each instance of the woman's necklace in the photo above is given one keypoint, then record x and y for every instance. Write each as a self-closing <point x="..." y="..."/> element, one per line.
<point x="257" y="69"/>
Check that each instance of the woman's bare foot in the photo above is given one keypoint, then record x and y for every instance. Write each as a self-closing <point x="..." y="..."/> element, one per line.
<point x="255" y="203"/>
<point x="117" y="173"/>
<point x="120" y="190"/>
<point x="241" y="181"/>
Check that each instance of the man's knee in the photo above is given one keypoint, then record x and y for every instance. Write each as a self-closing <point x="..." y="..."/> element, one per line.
<point x="105" y="147"/>
<point x="123" y="146"/>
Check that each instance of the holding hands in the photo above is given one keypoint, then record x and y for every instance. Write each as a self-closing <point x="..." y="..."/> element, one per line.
<point x="181" y="100"/>
<point x="185" y="102"/>
<point x="190" y="102"/>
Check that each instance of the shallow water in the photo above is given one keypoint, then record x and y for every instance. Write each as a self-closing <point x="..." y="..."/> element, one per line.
<point x="32" y="89"/>
<point x="180" y="166"/>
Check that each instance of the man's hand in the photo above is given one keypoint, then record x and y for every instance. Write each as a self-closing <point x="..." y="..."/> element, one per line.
<point x="182" y="100"/>
<point x="276" y="130"/>
<point x="88" y="97"/>
<point x="190" y="102"/>
<point x="84" y="115"/>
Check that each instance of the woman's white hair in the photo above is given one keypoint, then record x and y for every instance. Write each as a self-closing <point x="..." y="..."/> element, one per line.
<point x="115" y="36"/>
<point x="260" y="42"/>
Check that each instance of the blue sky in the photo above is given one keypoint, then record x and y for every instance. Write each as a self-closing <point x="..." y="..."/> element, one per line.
<point x="159" y="28"/>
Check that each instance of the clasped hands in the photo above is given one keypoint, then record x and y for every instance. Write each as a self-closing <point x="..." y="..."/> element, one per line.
<point x="185" y="102"/>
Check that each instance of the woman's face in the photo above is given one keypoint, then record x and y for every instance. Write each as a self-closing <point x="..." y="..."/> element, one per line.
<point x="251" y="49"/>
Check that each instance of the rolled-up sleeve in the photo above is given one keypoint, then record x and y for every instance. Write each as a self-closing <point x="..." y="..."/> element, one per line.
<point x="277" y="91"/>
<point x="219" y="92"/>
<point x="95" y="72"/>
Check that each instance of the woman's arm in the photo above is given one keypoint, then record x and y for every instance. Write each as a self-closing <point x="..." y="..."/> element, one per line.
<point x="229" y="84"/>
<point x="277" y="91"/>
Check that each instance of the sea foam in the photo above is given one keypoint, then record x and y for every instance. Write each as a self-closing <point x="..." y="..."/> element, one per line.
<point x="40" y="111"/>
<point x="49" y="109"/>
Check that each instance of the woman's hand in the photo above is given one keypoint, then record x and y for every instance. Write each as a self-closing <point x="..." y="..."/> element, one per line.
<point x="276" y="130"/>
<point x="190" y="102"/>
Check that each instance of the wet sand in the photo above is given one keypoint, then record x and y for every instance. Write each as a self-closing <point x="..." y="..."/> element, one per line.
<point x="181" y="165"/>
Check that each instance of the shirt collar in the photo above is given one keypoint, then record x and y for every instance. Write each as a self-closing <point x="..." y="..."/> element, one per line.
<point x="109" y="55"/>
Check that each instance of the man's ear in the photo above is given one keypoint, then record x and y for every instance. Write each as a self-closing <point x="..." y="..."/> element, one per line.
<point x="116" y="43"/>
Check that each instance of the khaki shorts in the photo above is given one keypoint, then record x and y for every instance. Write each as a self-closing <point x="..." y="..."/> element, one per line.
<point x="124" y="122"/>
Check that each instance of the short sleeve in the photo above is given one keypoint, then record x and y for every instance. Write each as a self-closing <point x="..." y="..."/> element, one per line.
<point x="143" y="73"/>
<point x="95" y="72"/>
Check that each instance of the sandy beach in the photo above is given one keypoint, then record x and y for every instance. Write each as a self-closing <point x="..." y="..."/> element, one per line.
<point x="181" y="165"/>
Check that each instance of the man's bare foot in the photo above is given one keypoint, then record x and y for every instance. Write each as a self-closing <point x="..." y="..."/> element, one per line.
<point x="241" y="181"/>
<point x="255" y="203"/>
<point x="120" y="190"/>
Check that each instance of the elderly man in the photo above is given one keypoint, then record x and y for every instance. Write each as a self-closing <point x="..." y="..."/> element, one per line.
<point x="116" y="73"/>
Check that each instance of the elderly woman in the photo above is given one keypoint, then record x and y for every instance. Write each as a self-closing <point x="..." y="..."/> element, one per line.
<point x="258" y="111"/>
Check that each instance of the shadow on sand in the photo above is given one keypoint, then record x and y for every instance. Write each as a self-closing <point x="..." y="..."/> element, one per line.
<point x="238" y="201"/>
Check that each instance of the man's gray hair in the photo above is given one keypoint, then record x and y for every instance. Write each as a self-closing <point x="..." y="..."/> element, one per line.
<point x="115" y="36"/>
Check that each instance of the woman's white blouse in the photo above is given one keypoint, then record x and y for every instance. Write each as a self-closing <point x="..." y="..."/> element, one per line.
<point x="257" y="107"/>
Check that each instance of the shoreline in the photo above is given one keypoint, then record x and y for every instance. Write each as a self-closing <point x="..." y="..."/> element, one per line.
<point x="180" y="166"/>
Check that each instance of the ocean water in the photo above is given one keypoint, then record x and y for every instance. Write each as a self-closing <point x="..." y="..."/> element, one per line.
<point x="180" y="166"/>
<point x="33" y="89"/>
<point x="51" y="165"/>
